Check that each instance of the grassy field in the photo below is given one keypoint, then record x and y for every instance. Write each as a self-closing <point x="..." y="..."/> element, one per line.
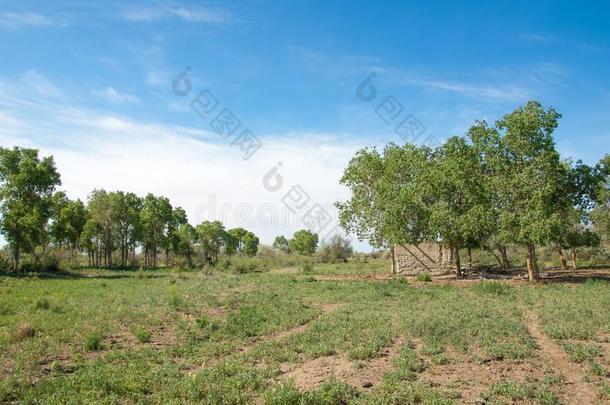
<point x="292" y="335"/>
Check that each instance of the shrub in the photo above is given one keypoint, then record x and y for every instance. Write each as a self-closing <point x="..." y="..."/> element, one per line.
<point x="424" y="277"/>
<point x="43" y="303"/>
<point x="337" y="250"/>
<point x="93" y="341"/>
<point x="23" y="332"/>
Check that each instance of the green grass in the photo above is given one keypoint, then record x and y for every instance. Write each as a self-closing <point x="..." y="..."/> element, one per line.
<point x="168" y="336"/>
<point x="534" y="392"/>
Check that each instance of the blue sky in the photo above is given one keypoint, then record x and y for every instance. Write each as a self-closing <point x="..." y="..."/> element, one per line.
<point x="91" y="84"/>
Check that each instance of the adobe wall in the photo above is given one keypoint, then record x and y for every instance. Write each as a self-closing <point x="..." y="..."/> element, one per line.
<point x="430" y="257"/>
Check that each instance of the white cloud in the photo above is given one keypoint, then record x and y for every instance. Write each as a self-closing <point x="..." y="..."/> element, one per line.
<point x="188" y="14"/>
<point x="112" y="95"/>
<point x="208" y="15"/>
<point x="12" y="20"/>
<point x="195" y="169"/>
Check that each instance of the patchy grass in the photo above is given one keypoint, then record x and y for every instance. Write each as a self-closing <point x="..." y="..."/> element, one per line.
<point x="539" y="393"/>
<point x="169" y="336"/>
<point x="580" y="352"/>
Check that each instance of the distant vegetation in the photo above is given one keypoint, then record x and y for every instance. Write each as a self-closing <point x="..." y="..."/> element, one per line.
<point x="120" y="229"/>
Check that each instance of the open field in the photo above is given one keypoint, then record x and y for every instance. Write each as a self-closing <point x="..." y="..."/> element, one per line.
<point x="338" y="334"/>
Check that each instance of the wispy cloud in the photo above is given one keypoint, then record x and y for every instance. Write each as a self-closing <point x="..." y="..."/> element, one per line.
<point x="189" y="14"/>
<point x="485" y="91"/>
<point x="114" y="96"/>
<point x="15" y="20"/>
<point x="35" y="81"/>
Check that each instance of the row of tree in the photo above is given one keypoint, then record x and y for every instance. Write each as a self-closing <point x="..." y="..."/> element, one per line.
<point x="112" y="228"/>
<point x="499" y="185"/>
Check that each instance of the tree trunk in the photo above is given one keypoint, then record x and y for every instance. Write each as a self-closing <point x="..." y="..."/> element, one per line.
<point x="16" y="258"/>
<point x="574" y="265"/>
<point x="393" y="258"/>
<point x="458" y="264"/>
<point x="532" y="266"/>
<point x="562" y="259"/>
<point x="505" y="262"/>
<point x="469" y="258"/>
<point x="500" y="262"/>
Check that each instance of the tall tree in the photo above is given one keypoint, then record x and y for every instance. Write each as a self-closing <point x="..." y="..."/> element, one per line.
<point x="460" y="207"/>
<point x="304" y="242"/>
<point x="177" y="219"/>
<point x="281" y="243"/>
<point x="27" y="184"/>
<point x="601" y="212"/>
<point x="102" y="210"/>
<point x="155" y="216"/>
<point x="528" y="175"/>
<point x="185" y="240"/>
<point x="211" y="236"/>
<point x="388" y="205"/>
<point x="241" y="241"/>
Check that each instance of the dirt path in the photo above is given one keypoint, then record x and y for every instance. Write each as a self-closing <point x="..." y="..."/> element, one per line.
<point x="574" y="390"/>
<point x="364" y="374"/>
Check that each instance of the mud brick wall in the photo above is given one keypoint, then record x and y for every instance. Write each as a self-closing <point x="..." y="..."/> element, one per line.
<point x="430" y="257"/>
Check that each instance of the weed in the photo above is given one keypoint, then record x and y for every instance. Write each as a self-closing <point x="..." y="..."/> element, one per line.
<point x="580" y="352"/>
<point x="174" y="299"/>
<point x="142" y="335"/>
<point x="93" y="341"/>
<point x="424" y="277"/>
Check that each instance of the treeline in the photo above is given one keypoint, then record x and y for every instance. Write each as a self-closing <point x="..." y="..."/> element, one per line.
<point x="501" y="184"/>
<point x="112" y="228"/>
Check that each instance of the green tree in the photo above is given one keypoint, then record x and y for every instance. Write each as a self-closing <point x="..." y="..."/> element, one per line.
<point x="304" y="242"/>
<point x="580" y="237"/>
<point x="177" y="219"/>
<point x="126" y="209"/>
<point x="601" y="211"/>
<point x="185" y="240"/>
<point x="458" y="201"/>
<point x="67" y="222"/>
<point x="91" y="241"/>
<point x="27" y="184"/>
<point x="281" y="243"/>
<point x="389" y="204"/>
<point x="527" y="177"/>
<point x="102" y="211"/>
<point x="241" y="241"/>
<point x="211" y="236"/>
<point x="155" y="216"/>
